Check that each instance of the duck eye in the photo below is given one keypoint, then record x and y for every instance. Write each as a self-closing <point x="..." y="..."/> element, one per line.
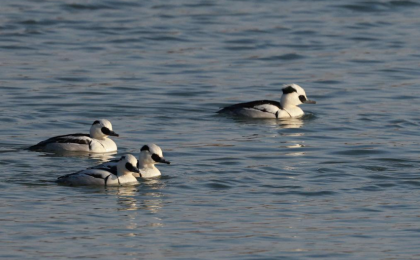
<point x="129" y="167"/>
<point x="156" y="158"/>
<point x="105" y="130"/>
<point x="302" y="98"/>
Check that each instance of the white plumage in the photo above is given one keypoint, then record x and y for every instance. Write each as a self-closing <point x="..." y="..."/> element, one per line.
<point x="293" y="96"/>
<point x="121" y="174"/>
<point x="150" y="154"/>
<point x="95" y="142"/>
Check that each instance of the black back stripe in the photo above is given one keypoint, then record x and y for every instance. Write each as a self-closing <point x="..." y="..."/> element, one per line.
<point x="114" y="170"/>
<point x="64" y="139"/>
<point x="68" y="175"/>
<point x="252" y="104"/>
<point x="106" y="179"/>
<point x="73" y="141"/>
<point x="110" y="169"/>
<point x="95" y="175"/>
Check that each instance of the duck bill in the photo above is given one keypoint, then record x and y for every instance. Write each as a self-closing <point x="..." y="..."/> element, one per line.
<point x="159" y="159"/>
<point x="162" y="160"/>
<point x="132" y="168"/>
<point x="107" y="131"/>
<point x="309" y="102"/>
<point x="136" y="172"/>
<point x="112" y="133"/>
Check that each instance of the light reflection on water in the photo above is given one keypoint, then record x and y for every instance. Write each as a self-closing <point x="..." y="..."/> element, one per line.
<point x="127" y="198"/>
<point x="100" y="158"/>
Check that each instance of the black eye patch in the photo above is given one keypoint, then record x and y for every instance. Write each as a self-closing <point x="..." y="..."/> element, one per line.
<point x="156" y="158"/>
<point x="145" y="148"/>
<point x="302" y="98"/>
<point x="96" y="122"/>
<point x="288" y="90"/>
<point x="130" y="167"/>
<point x="105" y="130"/>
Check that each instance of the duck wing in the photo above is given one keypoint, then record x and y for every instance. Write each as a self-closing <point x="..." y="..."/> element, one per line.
<point x="269" y="106"/>
<point x="111" y="166"/>
<point x="86" y="177"/>
<point x="72" y="138"/>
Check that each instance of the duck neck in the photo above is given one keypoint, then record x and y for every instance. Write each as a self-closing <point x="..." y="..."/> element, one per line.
<point x="149" y="170"/>
<point x="98" y="137"/>
<point x="143" y="165"/>
<point x="286" y="103"/>
<point x="121" y="173"/>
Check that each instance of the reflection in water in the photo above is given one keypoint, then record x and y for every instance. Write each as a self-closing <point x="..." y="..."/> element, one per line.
<point x="101" y="157"/>
<point x="291" y="123"/>
<point x="295" y="154"/>
<point x="275" y="123"/>
<point x="293" y="146"/>
<point x="292" y="134"/>
<point x="132" y="198"/>
<point x="126" y="197"/>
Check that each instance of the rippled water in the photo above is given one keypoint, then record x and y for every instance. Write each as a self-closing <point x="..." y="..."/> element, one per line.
<point x="340" y="183"/>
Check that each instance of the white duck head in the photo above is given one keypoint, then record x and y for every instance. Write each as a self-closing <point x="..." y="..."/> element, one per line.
<point x="127" y="165"/>
<point x="294" y="95"/>
<point x="101" y="129"/>
<point x="151" y="154"/>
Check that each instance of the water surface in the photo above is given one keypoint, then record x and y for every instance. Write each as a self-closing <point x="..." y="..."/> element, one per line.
<point x="341" y="183"/>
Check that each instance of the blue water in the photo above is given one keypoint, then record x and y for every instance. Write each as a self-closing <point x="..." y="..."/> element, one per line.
<point x="340" y="183"/>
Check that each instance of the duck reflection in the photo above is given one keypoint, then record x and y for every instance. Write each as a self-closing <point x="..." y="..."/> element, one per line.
<point x="134" y="199"/>
<point x="291" y="123"/>
<point x="273" y="123"/>
<point x="144" y="197"/>
<point x="274" y="128"/>
<point x="100" y="157"/>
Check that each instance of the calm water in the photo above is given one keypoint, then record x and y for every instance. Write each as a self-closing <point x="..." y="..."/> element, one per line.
<point x="341" y="183"/>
